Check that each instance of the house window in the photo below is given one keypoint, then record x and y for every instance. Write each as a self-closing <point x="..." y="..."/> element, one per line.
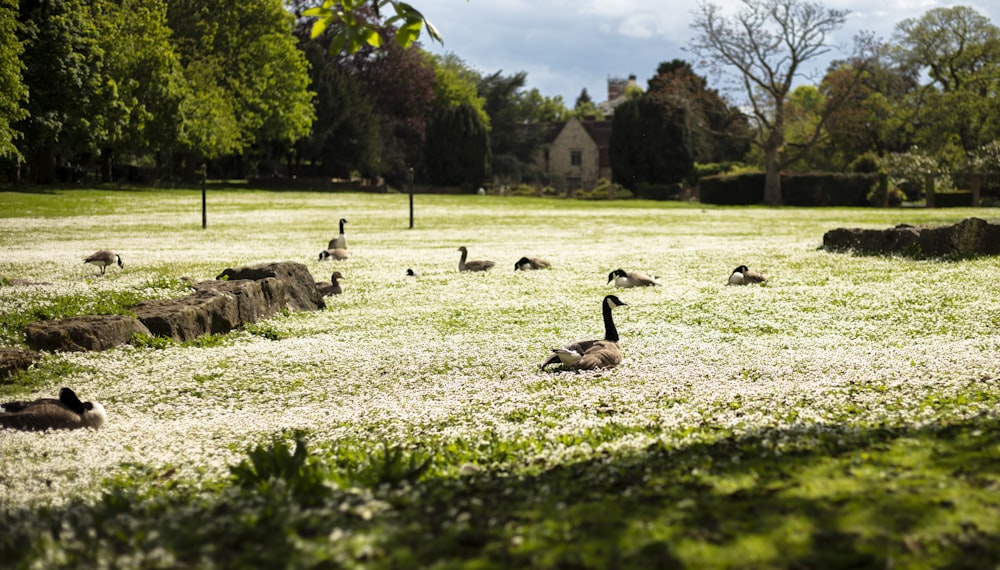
<point x="576" y="157"/>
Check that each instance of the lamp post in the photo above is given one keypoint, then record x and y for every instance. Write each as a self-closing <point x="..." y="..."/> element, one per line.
<point x="410" y="181"/>
<point x="204" y="202"/>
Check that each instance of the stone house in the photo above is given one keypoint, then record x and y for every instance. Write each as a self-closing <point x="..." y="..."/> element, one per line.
<point x="574" y="154"/>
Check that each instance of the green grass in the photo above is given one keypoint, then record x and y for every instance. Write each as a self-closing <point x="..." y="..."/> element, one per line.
<point x="843" y="416"/>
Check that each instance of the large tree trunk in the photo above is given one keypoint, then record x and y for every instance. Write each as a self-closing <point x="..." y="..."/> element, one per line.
<point x="107" y="165"/>
<point x="772" y="177"/>
<point x="44" y="168"/>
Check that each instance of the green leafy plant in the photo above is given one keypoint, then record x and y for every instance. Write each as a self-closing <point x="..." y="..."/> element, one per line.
<point x="279" y="467"/>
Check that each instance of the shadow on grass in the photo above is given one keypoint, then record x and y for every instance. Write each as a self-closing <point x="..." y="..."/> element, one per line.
<point x="827" y="497"/>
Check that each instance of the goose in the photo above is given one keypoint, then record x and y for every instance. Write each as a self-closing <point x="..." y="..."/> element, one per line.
<point x="103" y="259"/>
<point x="628" y="279"/>
<point x="335" y="253"/>
<point x="340" y="242"/>
<point x="473" y="265"/>
<point x="332" y="287"/>
<point x="67" y="412"/>
<point x="526" y="263"/>
<point x="743" y="276"/>
<point x="592" y="354"/>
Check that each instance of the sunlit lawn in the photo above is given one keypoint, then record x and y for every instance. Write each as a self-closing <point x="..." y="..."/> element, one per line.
<point x="844" y="415"/>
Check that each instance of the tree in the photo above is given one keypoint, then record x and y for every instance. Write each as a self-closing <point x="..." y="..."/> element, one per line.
<point x="767" y="44"/>
<point x="250" y="81"/>
<point x="958" y="50"/>
<point x="12" y="89"/>
<point x="512" y="143"/>
<point x="63" y="63"/>
<point x="346" y="135"/>
<point x="720" y="131"/>
<point x="538" y="108"/>
<point x="359" y="22"/>
<point x="455" y="83"/>
<point x="651" y="141"/>
<point x="458" y="147"/>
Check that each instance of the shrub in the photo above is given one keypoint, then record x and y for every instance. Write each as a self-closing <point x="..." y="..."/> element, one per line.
<point x="735" y="190"/>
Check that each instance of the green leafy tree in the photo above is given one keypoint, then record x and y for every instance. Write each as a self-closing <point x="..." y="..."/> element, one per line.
<point x="539" y="108"/>
<point x="766" y="44"/>
<point x="249" y="82"/>
<point x="357" y="23"/>
<point x="720" y="131"/>
<point x="651" y="141"/>
<point x="458" y="147"/>
<point x="958" y="51"/>
<point x="455" y="83"/>
<point x="62" y="71"/>
<point x="346" y="134"/>
<point x="512" y="145"/>
<point x="13" y="92"/>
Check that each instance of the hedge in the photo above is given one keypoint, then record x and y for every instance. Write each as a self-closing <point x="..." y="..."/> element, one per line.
<point x="797" y="189"/>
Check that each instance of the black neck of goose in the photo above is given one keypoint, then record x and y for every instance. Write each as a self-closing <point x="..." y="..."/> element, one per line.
<point x="341" y="226"/>
<point x="610" y="332"/>
<point x="464" y="254"/>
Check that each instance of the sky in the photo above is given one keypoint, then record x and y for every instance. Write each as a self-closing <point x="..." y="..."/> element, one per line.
<point x="569" y="45"/>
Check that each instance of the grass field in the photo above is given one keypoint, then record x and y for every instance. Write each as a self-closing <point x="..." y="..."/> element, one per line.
<point x="845" y="415"/>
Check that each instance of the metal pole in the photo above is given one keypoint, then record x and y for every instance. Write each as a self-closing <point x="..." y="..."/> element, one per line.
<point x="204" y="204"/>
<point x="410" y="176"/>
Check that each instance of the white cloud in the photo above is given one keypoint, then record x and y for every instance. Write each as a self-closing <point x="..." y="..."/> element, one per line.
<point x="566" y="46"/>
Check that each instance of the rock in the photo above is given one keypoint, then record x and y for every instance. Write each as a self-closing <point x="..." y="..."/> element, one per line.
<point x="255" y="300"/>
<point x="91" y="332"/>
<point x="971" y="236"/>
<point x="203" y="312"/>
<point x="16" y="359"/>
<point x="300" y="289"/>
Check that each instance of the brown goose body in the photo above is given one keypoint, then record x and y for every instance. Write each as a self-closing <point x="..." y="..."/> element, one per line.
<point x="528" y="263"/>
<point x="331" y="287"/>
<point x="336" y="254"/>
<point x="473" y="265"/>
<point x="103" y="259"/>
<point x="592" y="354"/>
<point x="65" y="412"/>
<point x="629" y="279"/>
<point x="742" y="275"/>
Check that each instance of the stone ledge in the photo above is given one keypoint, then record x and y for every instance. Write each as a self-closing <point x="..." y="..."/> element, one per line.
<point x="971" y="236"/>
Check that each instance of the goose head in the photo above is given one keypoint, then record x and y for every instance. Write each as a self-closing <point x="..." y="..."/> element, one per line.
<point x="523" y="264"/>
<point x="620" y="273"/>
<point x="613" y="301"/>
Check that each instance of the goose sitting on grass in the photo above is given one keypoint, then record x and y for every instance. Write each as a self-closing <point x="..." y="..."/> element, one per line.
<point x="66" y="412"/>
<point x="337" y="254"/>
<point x="472" y="265"/>
<point x="742" y="275"/>
<point x="528" y="263"/>
<point x="339" y="242"/>
<point x="592" y="354"/>
<point x="103" y="259"/>
<point x="628" y="279"/>
<point x="331" y="287"/>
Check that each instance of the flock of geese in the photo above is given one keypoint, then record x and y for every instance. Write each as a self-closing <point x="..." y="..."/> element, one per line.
<point x="68" y="412"/>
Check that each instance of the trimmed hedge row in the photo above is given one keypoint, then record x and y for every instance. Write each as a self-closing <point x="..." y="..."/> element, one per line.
<point x="797" y="189"/>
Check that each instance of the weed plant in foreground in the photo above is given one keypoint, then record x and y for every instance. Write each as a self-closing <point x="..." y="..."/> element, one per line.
<point x="844" y="415"/>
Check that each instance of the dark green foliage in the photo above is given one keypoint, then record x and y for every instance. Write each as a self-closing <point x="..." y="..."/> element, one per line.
<point x="651" y="142"/>
<point x="826" y="189"/>
<point x="823" y="189"/>
<point x="659" y="191"/>
<point x="953" y="200"/>
<point x="867" y="162"/>
<point x="389" y="464"/>
<point x="512" y="146"/>
<point x="278" y="467"/>
<point x="827" y="496"/>
<point x="345" y="136"/>
<point x="458" y="147"/>
<point x="734" y="190"/>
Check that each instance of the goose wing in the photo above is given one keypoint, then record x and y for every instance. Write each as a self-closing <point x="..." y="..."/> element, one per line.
<point x="564" y="355"/>
<point x="41" y="415"/>
<point x="602" y="354"/>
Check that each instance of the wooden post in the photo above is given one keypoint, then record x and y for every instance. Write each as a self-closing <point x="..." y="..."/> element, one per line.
<point x="929" y="190"/>
<point x="883" y="188"/>
<point x="977" y="181"/>
<point x="410" y="181"/>
<point x="204" y="202"/>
